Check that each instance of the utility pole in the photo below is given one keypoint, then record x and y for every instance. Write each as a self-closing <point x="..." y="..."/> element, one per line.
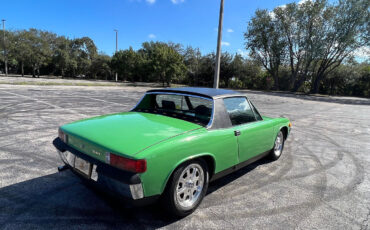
<point x="116" y="50"/>
<point x="218" y="54"/>
<point x="5" y="58"/>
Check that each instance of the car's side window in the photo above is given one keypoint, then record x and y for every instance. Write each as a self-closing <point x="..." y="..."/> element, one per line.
<point x="239" y="110"/>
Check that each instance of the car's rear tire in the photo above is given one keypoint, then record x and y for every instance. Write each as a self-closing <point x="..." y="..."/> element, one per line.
<point x="186" y="188"/>
<point x="277" y="150"/>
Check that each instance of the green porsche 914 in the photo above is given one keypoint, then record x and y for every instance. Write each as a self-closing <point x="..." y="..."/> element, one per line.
<point x="171" y="145"/>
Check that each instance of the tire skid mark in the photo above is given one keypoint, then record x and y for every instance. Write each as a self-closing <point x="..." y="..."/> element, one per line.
<point x="344" y="215"/>
<point x="357" y="179"/>
<point x="365" y="222"/>
<point x="7" y="106"/>
<point x="46" y="103"/>
<point x="13" y="111"/>
<point x="10" y="120"/>
<point x="28" y="131"/>
<point x="324" y="167"/>
<point x="246" y="188"/>
<point x="287" y="160"/>
<point x="32" y="155"/>
<point x="317" y="161"/>
<point x="290" y="208"/>
<point x="321" y="188"/>
<point x="96" y="99"/>
<point x="223" y="218"/>
<point x="51" y="208"/>
<point x="266" y="178"/>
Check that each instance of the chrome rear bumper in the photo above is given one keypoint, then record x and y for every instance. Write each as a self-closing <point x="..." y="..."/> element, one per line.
<point x="124" y="184"/>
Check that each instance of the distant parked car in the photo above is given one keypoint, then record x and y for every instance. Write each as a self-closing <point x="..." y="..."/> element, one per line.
<point x="171" y="144"/>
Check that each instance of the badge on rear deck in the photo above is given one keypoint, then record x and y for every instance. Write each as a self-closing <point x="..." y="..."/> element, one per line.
<point x="96" y="152"/>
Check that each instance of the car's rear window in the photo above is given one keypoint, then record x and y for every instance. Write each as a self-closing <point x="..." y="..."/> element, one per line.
<point x="190" y="108"/>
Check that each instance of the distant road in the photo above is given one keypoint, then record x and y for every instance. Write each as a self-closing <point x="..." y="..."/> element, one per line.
<point x="57" y="81"/>
<point x="50" y="80"/>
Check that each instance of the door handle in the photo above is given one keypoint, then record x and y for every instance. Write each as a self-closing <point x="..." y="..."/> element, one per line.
<point x="237" y="132"/>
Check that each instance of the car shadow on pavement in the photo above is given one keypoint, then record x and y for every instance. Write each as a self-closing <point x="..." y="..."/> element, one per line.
<point x="61" y="200"/>
<point x="223" y="181"/>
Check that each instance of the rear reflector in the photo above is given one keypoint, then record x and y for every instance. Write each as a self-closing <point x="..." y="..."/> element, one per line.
<point x="62" y="136"/>
<point x="138" y="166"/>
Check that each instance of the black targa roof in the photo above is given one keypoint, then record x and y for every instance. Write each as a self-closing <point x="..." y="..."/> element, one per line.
<point x="198" y="91"/>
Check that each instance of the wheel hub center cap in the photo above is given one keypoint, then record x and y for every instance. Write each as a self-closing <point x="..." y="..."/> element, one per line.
<point x="189" y="184"/>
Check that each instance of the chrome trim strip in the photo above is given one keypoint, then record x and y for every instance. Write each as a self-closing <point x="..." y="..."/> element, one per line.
<point x="209" y="125"/>
<point x="230" y="95"/>
<point x="181" y="94"/>
<point x="250" y="106"/>
<point x="254" y="109"/>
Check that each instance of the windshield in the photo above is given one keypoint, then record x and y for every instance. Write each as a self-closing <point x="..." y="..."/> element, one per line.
<point x="189" y="108"/>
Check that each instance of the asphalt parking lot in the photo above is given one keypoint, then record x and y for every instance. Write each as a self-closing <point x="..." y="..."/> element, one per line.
<point x="322" y="181"/>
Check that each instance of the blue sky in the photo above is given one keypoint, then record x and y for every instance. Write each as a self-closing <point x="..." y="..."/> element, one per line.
<point x="189" y="22"/>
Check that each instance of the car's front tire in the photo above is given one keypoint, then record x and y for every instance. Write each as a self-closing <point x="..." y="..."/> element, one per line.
<point x="278" y="146"/>
<point x="187" y="187"/>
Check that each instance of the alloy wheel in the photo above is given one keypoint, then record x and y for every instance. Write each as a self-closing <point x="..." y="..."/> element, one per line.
<point x="189" y="186"/>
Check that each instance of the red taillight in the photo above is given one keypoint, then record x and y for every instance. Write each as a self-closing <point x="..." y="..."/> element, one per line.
<point x="138" y="166"/>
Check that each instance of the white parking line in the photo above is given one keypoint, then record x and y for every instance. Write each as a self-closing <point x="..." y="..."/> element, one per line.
<point x="46" y="103"/>
<point x="101" y="100"/>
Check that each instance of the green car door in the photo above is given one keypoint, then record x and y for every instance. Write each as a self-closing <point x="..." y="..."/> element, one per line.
<point x="253" y="133"/>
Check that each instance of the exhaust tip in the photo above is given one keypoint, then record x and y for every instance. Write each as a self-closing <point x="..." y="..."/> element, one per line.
<point x="62" y="168"/>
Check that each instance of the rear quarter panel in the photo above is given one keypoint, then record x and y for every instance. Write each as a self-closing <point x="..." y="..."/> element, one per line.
<point x="279" y="123"/>
<point x="165" y="157"/>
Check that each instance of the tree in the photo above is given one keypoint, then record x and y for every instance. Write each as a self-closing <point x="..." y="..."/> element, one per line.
<point x="164" y="62"/>
<point x="226" y="71"/>
<point x="83" y="52"/>
<point x="192" y="60"/>
<point x="100" y="67"/>
<point x="362" y="86"/>
<point x="345" y="29"/>
<point x="266" y="43"/>
<point x="238" y="67"/>
<point x="320" y="37"/>
<point x="312" y="38"/>
<point x="207" y="66"/>
<point x="40" y="51"/>
<point x="300" y="30"/>
<point x="125" y="63"/>
<point x="11" y="46"/>
<point x="62" y="54"/>
<point x="351" y="78"/>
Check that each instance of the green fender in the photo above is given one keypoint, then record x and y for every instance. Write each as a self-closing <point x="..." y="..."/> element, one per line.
<point x="183" y="161"/>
